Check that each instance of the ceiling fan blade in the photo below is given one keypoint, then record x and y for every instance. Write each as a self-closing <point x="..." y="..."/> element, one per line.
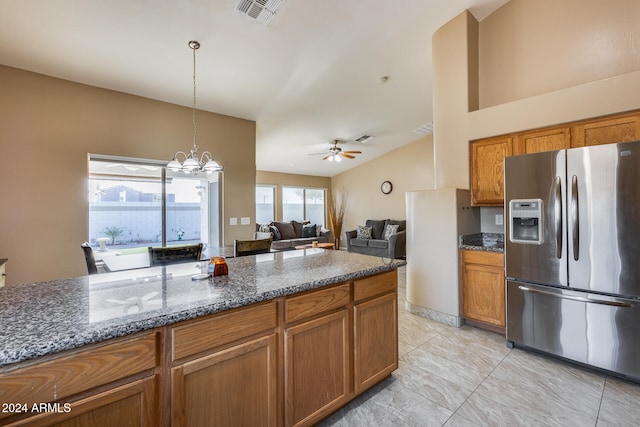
<point x="353" y="152"/>
<point x="326" y="157"/>
<point x="348" y="156"/>
<point x="317" y="154"/>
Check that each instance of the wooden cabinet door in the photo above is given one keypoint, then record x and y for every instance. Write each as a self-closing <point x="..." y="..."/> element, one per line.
<point x="483" y="293"/>
<point x="316" y="368"/>
<point x="133" y="404"/>
<point x="543" y="140"/>
<point x="375" y="325"/>
<point x="606" y="131"/>
<point x="487" y="170"/>
<point x="233" y="387"/>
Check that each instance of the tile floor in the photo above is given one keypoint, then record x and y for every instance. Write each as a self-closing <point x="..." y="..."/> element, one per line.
<point x="459" y="377"/>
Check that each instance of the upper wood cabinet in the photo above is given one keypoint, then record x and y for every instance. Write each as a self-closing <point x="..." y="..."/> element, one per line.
<point x="487" y="170"/>
<point x="621" y="128"/>
<point x="542" y="140"/>
<point x="487" y="155"/>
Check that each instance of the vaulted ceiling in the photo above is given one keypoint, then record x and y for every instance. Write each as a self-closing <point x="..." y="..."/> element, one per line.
<point x="314" y="74"/>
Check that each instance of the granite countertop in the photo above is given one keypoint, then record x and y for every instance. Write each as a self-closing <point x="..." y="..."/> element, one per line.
<point x="47" y="317"/>
<point x="491" y="242"/>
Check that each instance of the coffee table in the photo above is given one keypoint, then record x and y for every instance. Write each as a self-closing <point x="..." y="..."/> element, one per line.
<point x="319" y="245"/>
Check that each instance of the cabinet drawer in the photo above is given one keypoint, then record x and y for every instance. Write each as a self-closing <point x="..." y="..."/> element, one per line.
<point x="79" y="371"/>
<point x="495" y="259"/>
<point x="316" y="302"/>
<point x="375" y="285"/>
<point x="220" y="329"/>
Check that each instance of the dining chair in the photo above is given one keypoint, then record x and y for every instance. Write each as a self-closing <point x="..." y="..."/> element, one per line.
<point x="92" y="265"/>
<point x="174" y="254"/>
<point x="251" y="247"/>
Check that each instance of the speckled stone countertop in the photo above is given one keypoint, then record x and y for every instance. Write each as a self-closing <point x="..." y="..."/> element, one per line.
<point x="47" y="317"/>
<point x="492" y="242"/>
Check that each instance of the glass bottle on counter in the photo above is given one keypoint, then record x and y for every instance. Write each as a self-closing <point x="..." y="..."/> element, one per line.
<point x="217" y="267"/>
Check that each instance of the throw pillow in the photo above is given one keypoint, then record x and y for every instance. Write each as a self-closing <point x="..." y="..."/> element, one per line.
<point x="297" y="227"/>
<point x="309" y="230"/>
<point x="263" y="228"/>
<point x="286" y="230"/>
<point x="389" y="230"/>
<point x="363" y="232"/>
<point x="275" y="232"/>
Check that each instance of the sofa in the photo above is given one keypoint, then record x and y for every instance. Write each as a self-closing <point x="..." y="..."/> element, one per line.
<point x="374" y="238"/>
<point x="288" y="235"/>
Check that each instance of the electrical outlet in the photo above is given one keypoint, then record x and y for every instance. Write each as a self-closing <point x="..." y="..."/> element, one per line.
<point x="499" y="219"/>
<point x="233" y="221"/>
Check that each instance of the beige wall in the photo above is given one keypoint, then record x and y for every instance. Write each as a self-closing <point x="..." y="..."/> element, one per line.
<point x="454" y="95"/>
<point x="47" y="127"/>
<point x="533" y="47"/>
<point x="280" y="180"/>
<point x="409" y="168"/>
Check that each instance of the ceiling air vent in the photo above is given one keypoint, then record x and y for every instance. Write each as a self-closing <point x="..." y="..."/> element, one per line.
<point x="364" y="138"/>
<point x="260" y="10"/>
<point x="425" y="129"/>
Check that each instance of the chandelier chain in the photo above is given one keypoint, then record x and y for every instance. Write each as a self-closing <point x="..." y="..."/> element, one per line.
<point x="194" y="47"/>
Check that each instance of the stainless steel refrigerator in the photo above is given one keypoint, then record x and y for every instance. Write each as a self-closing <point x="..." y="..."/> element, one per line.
<point x="572" y="254"/>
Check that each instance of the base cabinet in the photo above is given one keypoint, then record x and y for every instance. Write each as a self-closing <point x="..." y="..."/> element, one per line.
<point x="128" y="405"/>
<point x="232" y="387"/>
<point x="375" y="330"/>
<point x="104" y="385"/>
<point x="483" y="296"/>
<point x="316" y="368"/>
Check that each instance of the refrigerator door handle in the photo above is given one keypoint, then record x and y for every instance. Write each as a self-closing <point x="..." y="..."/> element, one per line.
<point x="575" y="298"/>
<point x="557" y="212"/>
<point x="575" y="218"/>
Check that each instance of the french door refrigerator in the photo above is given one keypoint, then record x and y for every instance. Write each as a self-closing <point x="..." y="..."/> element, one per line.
<point x="572" y="254"/>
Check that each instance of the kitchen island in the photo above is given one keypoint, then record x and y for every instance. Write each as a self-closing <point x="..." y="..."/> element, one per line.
<point x="285" y="339"/>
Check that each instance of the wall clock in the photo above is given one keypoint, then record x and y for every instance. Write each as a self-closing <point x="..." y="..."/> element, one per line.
<point x="386" y="187"/>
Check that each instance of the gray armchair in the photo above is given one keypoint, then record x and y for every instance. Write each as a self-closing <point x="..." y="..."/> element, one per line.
<point x="393" y="247"/>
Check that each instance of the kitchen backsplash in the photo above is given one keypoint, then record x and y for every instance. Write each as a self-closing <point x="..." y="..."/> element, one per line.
<point x="488" y="219"/>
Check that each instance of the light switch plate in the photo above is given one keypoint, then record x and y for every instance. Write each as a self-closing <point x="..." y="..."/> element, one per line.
<point x="499" y="219"/>
<point x="233" y="221"/>
<point x="245" y="220"/>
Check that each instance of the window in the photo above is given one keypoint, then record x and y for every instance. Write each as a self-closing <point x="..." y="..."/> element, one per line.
<point x="303" y="203"/>
<point x="265" y="206"/>
<point x="139" y="203"/>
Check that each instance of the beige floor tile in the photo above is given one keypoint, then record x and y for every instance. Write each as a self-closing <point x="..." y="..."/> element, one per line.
<point x="434" y="387"/>
<point x="552" y="379"/>
<point x="534" y="403"/>
<point x="456" y="372"/>
<point x="620" y="404"/>
<point x="501" y="411"/>
<point x="464" y="352"/>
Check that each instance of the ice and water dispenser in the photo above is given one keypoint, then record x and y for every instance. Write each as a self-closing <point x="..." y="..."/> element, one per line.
<point x="525" y="220"/>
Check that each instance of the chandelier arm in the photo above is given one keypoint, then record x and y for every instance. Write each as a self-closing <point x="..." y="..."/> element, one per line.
<point x="175" y="156"/>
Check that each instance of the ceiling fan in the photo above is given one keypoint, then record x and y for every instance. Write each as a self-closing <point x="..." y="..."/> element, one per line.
<point x="336" y="153"/>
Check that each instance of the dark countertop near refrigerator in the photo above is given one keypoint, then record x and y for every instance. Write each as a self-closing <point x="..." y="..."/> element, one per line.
<point x="48" y="317"/>
<point x="491" y="242"/>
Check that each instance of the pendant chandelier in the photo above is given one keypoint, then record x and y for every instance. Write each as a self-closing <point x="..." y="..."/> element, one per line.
<point x="193" y="163"/>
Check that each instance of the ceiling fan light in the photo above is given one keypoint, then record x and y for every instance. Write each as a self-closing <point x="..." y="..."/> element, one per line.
<point x="338" y="158"/>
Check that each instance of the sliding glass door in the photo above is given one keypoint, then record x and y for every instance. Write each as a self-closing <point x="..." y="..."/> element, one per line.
<point x="137" y="203"/>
